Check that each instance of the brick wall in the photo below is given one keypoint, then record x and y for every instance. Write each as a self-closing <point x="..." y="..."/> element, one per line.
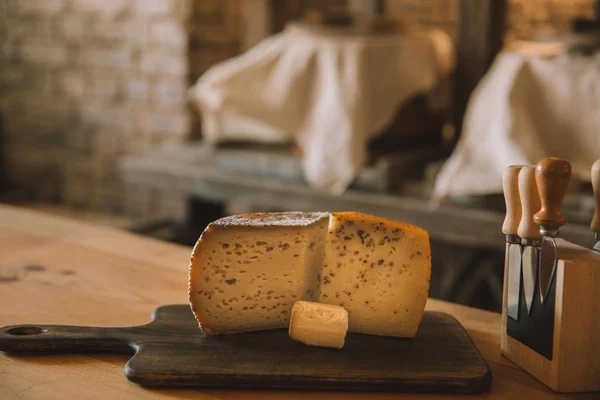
<point x="85" y="81"/>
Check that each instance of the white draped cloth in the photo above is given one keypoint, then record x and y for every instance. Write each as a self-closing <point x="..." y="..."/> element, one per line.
<point x="329" y="93"/>
<point x="526" y="108"/>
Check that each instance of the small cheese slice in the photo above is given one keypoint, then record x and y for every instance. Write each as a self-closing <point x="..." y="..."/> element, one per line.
<point x="379" y="271"/>
<point x="247" y="271"/>
<point x="317" y="324"/>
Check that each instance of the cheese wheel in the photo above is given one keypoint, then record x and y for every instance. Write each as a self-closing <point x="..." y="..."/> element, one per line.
<point x="317" y="324"/>
<point x="247" y="271"/>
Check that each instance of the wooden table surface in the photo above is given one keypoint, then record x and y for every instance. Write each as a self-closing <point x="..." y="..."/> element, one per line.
<point x="58" y="271"/>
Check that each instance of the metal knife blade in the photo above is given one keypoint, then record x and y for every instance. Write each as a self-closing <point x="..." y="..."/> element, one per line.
<point x="597" y="246"/>
<point x="530" y="258"/>
<point x="514" y="280"/>
<point x="548" y="257"/>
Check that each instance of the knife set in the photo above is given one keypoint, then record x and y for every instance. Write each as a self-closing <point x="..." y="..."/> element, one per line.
<point x="551" y="308"/>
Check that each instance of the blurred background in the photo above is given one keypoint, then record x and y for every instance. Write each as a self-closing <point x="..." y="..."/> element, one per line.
<point x="159" y="116"/>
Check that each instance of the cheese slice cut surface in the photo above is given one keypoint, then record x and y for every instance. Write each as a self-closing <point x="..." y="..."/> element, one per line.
<point x="317" y="324"/>
<point x="248" y="271"/>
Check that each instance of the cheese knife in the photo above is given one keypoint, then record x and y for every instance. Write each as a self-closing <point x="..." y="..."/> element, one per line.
<point x="552" y="177"/>
<point x="513" y="247"/>
<point x="529" y="231"/>
<point x="595" y="225"/>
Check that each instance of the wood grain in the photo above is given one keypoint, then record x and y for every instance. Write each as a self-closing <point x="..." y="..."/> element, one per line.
<point x="575" y="366"/>
<point x="530" y="203"/>
<point x="595" y="174"/>
<point x="117" y="279"/>
<point x="172" y="352"/>
<point x="552" y="176"/>
<point x="579" y="347"/>
<point x="510" y="185"/>
<point x="481" y="29"/>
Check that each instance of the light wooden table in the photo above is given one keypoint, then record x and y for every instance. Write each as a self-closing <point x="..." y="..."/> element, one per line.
<point x="105" y="277"/>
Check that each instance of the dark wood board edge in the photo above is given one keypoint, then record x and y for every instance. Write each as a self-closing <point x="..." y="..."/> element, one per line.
<point x="225" y="381"/>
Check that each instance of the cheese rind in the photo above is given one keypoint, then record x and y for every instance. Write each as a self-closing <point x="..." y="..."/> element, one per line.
<point x="317" y="324"/>
<point x="378" y="270"/>
<point x="247" y="271"/>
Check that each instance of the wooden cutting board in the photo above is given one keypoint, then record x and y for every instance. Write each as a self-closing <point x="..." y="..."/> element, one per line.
<point x="172" y="352"/>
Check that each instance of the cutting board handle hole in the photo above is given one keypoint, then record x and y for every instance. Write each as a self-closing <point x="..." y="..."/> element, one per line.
<point x="26" y="331"/>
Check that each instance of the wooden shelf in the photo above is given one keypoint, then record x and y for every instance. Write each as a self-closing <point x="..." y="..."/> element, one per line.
<point x="186" y="169"/>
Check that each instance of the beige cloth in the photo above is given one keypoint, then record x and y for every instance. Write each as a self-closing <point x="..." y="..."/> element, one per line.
<point x="331" y="94"/>
<point x="526" y="108"/>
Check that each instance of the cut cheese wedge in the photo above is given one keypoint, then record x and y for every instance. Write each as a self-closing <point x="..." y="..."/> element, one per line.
<point x="379" y="271"/>
<point x="247" y="271"/>
<point x="317" y="324"/>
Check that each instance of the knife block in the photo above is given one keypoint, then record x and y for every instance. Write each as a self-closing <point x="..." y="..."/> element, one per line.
<point x="575" y="361"/>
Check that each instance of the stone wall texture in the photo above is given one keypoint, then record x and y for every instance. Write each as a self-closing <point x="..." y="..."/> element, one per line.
<point x="83" y="82"/>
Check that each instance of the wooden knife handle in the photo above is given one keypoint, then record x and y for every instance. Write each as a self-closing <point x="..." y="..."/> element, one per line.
<point x="510" y="184"/>
<point x="530" y="201"/>
<point x="595" y="225"/>
<point x="552" y="176"/>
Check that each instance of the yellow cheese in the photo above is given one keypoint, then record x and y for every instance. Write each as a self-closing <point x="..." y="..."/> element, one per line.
<point x="379" y="271"/>
<point x="317" y="324"/>
<point x="247" y="271"/>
